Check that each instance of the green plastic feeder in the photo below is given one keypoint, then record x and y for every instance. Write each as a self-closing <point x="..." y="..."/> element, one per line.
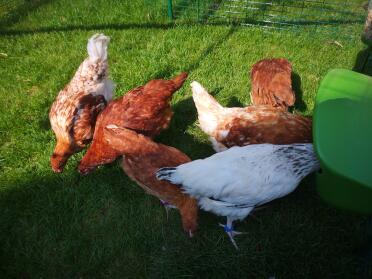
<point x="343" y="140"/>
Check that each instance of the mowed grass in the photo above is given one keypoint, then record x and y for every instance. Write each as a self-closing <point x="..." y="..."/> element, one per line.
<point x="105" y="226"/>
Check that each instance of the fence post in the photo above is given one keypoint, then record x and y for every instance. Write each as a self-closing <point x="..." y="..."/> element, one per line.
<point x="170" y="9"/>
<point x="367" y="36"/>
<point x="198" y="9"/>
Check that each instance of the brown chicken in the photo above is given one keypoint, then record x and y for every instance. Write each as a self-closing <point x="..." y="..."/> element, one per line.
<point x="229" y="127"/>
<point x="142" y="158"/>
<point x="272" y="83"/>
<point x="145" y="109"/>
<point x="74" y="112"/>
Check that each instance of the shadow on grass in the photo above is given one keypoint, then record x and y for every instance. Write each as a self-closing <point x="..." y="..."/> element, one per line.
<point x="296" y="85"/>
<point x="21" y="12"/>
<point x="50" y="226"/>
<point x="363" y="62"/>
<point x="234" y="102"/>
<point x="185" y="115"/>
<point x="124" y="26"/>
<point x="112" y="26"/>
<point x="66" y="28"/>
<point x="168" y="72"/>
<point x="210" y="49"/>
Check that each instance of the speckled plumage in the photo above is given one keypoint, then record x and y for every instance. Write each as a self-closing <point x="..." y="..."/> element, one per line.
<point x="73" y="114"/>
<point x="145" y="109"/>
<point x="229" y="127"/>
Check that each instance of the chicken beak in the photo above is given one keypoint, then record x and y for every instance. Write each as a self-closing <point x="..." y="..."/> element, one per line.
<point x="83" y="170"/>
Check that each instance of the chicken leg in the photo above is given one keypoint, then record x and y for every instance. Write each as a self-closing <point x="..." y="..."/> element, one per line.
<point x="167" y="206"/>
<point x="229" y="229"/>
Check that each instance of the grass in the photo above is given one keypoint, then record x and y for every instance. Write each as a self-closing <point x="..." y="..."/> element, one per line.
<point x="103" y="225"/>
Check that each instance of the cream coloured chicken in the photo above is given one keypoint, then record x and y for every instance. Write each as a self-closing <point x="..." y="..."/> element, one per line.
<point x="227" y="127"/>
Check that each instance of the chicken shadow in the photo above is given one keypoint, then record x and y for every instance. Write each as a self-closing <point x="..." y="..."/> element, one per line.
<point x="50" y="213"/>
<point x="62" y="208"/>
<point x="299" y="105"/>
<point x="44" y="124"/>
<point x="234" y="102"/>
<point x="363" y="62"/>
<point x="185" y="115"/>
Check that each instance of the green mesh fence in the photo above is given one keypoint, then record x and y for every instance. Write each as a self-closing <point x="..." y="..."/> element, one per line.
<point x="326" y="15"/>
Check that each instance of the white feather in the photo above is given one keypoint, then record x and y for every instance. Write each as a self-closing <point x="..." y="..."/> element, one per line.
<point x="244" y="176"/>
<point x="90" y="78"/>
<point x="211" y="114"/>
<point x="105" y="88"/>
<point x="208" y="108"/>
<point x="97" y="47"/>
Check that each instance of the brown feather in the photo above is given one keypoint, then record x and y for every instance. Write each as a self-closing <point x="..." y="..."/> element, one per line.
<point x="79" y="113"/>
<point x="83" y="127"/>
<point x="75" y="109"/>
<point x="272" y="84"/>
<point x="263" y="124"/>
<point x="142" y="159"/>
<point x="145" y="109"/>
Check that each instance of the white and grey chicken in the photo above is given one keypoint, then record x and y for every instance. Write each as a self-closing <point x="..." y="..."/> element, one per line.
<point x="74" y="112"/>
<point x="233" y="182"/>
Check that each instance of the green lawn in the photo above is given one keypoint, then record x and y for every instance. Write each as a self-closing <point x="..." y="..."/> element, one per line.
<point x="103" y="225"/>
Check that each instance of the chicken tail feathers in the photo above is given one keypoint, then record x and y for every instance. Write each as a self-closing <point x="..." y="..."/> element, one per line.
<point x="97" y="47"/>
<point x="202" y="99"/>
<point x="169" y="174"/>
<point x="207" y="106"/>
<point x="179" y="80"/>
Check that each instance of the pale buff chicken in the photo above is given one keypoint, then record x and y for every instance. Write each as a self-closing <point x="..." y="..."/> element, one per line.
<point x="229" y="127"/>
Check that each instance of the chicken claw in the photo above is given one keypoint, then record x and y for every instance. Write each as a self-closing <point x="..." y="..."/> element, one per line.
<point x="231" y="233"/>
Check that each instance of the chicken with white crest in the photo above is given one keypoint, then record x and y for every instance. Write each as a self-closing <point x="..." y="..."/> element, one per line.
<point x="74" y="112"/>
<point x="233" y="182"/>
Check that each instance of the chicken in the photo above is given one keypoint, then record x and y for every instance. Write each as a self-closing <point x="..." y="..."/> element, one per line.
<point x="142" y="158"/>
<point x="74" y="112"/>
<point x="232" y="183"/>
<point x="145" y="109"/>
<point x="272" y="84"/>
<point x="229" y="127"/>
